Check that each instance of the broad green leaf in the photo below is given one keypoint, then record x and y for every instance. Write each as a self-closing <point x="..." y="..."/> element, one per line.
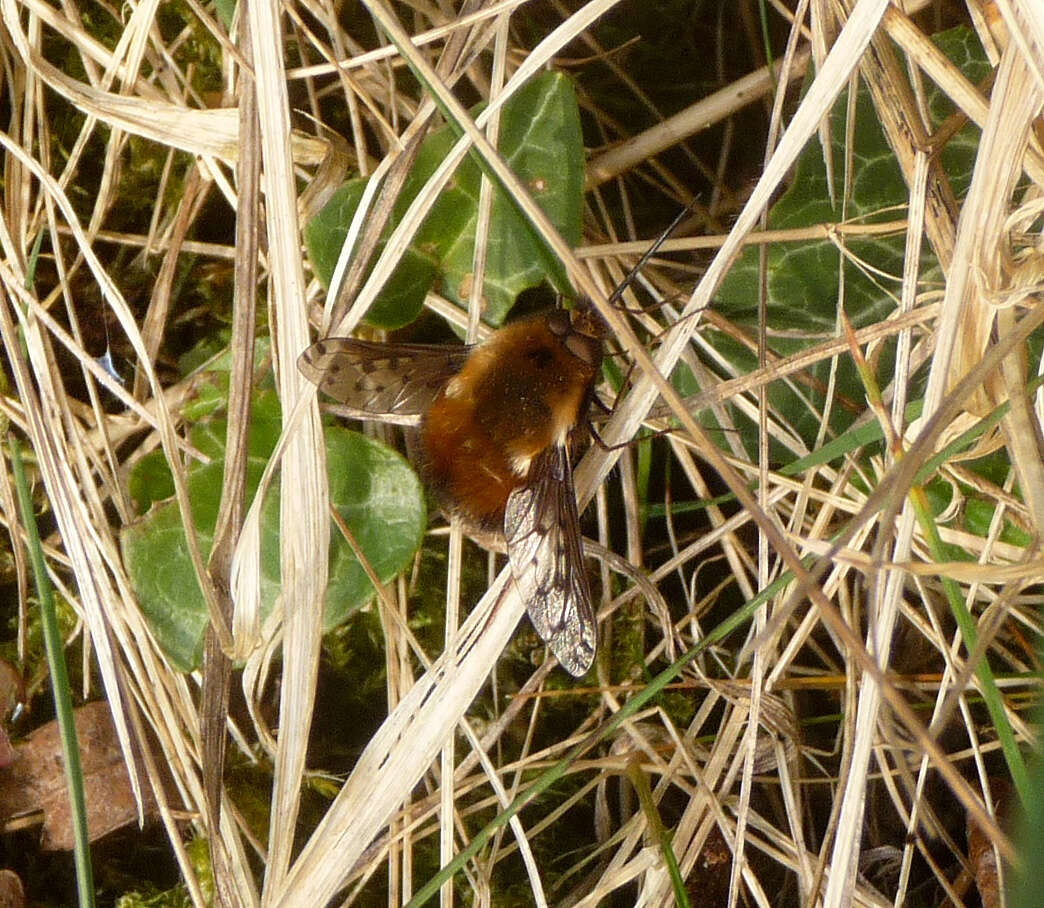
<point x="402" y="298"/>
<point x="373" y="488"/>
<point x="540" y="138"/>
<point x="804" y="277"/>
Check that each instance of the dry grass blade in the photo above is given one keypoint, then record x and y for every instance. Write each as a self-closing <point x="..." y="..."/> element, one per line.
<point x="869" y="700"/>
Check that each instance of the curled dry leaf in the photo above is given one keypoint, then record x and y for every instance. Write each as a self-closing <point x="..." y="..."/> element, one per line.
<point x="35" y="781"/>
<point x="982" y="855"/>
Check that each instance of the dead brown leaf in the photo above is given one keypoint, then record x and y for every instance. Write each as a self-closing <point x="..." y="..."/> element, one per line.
<point x="35" y="780"/>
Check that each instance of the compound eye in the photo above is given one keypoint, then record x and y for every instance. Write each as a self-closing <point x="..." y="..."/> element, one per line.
<point x="587" y="320"/>
<point x="585" y="348"/>
<point x="559" y="323"/>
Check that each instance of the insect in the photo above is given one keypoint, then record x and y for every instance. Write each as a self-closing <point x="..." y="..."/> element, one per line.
<point x="494" y="428"/>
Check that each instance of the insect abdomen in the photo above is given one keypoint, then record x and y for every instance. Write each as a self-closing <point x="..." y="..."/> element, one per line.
<point x="517" y="395"/>
<point x="464" y="467"/>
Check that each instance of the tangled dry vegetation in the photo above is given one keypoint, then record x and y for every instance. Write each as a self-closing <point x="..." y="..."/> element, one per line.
<point x="820" y="689"/>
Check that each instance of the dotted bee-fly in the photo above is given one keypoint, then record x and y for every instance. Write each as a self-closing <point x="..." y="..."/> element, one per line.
<point x="496" y="426"/>
<point x="494" y="429"/>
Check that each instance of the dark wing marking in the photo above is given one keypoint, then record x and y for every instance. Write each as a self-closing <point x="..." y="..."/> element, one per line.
<point x="542" y="531"/>
<point x="381" y="380"/>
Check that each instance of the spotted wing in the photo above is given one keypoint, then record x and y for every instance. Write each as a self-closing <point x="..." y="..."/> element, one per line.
<point x="542" y="531"/>
<point x="393" y="382"/>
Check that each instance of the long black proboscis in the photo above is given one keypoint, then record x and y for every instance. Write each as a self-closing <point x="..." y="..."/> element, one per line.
<point x="650" y="252"/>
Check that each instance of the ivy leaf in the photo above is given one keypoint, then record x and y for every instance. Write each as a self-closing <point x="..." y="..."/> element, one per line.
<point x="803" y="278"/>
<point x="540" y="138"/>
<point x="372" y="487"/>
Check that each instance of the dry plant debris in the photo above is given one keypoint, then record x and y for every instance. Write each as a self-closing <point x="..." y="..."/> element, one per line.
<point x="840" y="530"/>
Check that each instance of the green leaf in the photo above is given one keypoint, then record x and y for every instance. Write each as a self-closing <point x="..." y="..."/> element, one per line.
<point x="541" y="140"/>
<point x="373" y="488"/>
<point x="978" y="519"/>
<point x="226" y="10"/>
<point x="804" y="277"/>
<point x="402" y="298"/>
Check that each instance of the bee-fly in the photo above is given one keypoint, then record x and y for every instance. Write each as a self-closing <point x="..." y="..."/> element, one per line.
<point x="496" y="427"/>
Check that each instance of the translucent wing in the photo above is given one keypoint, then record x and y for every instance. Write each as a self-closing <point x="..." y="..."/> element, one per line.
<point x="542" y="531"/>
<point x="393" y="382"/>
